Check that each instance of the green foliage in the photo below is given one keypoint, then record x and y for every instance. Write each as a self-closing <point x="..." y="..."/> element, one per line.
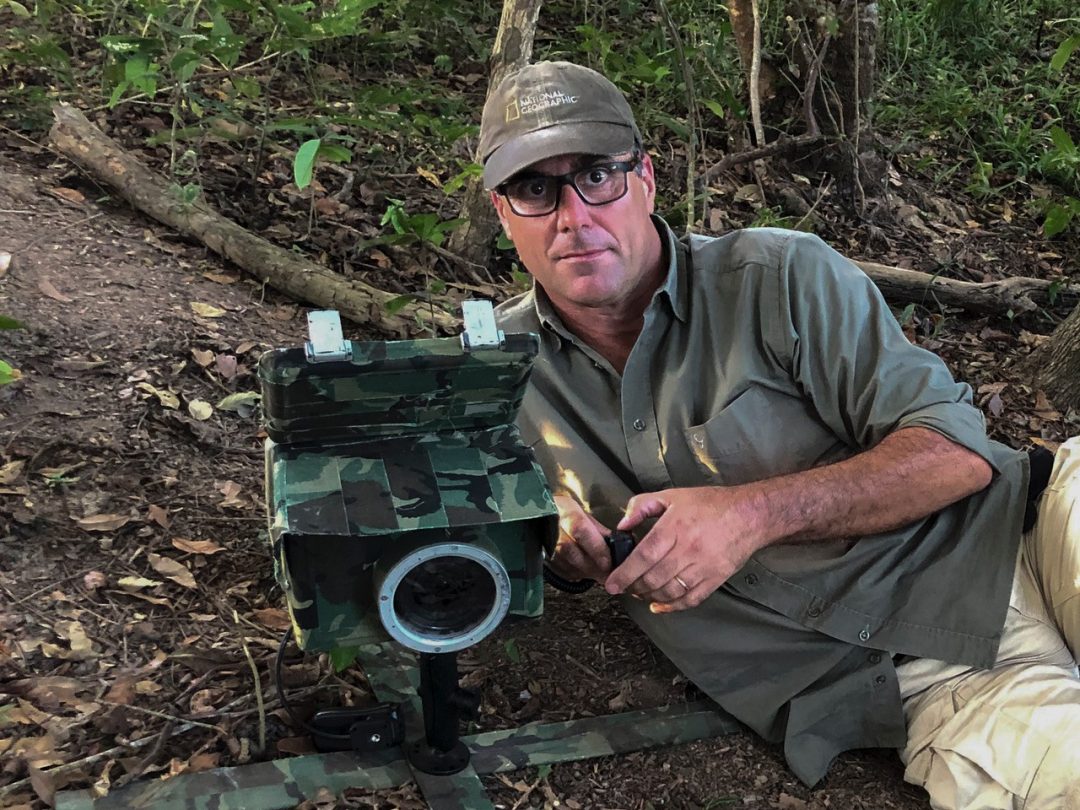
<point x="960" y="72"/>
<point x="512" y="651"/>
<point x="7" y="373"/>
<point x="423" y="228"/>
<point x="342" y="657"/>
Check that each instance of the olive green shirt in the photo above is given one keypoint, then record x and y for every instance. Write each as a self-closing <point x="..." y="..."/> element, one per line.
<point x="765" y="352"/>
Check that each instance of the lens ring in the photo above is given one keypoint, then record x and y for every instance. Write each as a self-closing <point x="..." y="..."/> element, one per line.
<point x="419" y="584"/>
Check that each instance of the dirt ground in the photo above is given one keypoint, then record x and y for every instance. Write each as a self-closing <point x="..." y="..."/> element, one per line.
<point x="133" y="564"/>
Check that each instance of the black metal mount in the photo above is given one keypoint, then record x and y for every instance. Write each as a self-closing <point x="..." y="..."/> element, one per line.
<point x="445" y="703"/>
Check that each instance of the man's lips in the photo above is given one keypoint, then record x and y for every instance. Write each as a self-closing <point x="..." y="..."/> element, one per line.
<point x="583" y="254"/>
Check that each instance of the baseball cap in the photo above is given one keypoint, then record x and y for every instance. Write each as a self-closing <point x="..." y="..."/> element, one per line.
<point x="548" y="109"/>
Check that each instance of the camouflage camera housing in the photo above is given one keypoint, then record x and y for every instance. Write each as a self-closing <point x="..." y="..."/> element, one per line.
<point x="401" y="499"/>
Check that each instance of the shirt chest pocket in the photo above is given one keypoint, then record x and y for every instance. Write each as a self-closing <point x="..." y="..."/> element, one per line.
<point x="761" y="434"/>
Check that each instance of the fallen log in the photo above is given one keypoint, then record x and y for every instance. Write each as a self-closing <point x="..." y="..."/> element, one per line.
<point x="1011" y="295"/>
<point x="303" y="280"/>
<point x="85" y="144"/>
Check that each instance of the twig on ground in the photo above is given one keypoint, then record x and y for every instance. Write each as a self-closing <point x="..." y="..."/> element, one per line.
<point x="258" y="687"/>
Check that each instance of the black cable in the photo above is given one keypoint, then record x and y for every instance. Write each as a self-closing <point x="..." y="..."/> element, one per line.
<point x="297" y="720"/>
<point x="564" y="584"/>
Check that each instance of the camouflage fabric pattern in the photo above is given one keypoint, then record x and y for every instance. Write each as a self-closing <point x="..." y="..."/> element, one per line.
<point x="395" y="388"/>
<point x="285" y="783"/>
<point x="421" y="449"/>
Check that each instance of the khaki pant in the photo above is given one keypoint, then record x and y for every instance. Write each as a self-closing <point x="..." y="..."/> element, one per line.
<point x="1009" y="737"/>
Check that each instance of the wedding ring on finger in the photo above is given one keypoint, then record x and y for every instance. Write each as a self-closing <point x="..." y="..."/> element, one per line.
<point x="680" y="581"/>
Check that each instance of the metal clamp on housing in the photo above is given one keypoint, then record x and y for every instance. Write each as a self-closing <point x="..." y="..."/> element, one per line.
<point x="481" y="331"/>
<point x="325" y="340"/>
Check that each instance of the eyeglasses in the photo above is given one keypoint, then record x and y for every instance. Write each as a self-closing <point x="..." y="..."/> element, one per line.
<point x="537" y="195"/>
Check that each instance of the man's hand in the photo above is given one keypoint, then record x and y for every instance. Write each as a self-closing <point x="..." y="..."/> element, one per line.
<point x="580" y="552"/>
<point x="702" y="537"/>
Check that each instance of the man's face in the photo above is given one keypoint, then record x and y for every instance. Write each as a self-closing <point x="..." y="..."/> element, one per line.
<point x="587" y="255"/>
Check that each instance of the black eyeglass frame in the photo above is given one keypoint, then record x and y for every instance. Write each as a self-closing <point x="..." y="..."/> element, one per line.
<point x="625" y="166"/>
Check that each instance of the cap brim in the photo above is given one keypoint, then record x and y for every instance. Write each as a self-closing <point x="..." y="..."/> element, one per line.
<point x="587" y="138"/>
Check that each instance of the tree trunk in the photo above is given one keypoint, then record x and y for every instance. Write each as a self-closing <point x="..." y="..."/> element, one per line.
<point x="85" y="144"/>
<point x="842" y="103"/>
<point x="1056" y="364"/>
<point x="741" y="15"/>
<point x="512" y="50"/>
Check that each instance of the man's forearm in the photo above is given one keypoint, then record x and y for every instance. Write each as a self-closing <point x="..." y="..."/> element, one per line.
<point x="910" y="474"/>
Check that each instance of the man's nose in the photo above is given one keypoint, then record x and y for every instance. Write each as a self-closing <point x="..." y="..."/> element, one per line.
<point x="572" y="212"/>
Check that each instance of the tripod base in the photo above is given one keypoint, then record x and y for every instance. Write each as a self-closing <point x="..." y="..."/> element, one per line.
<point x="427" y="759"/>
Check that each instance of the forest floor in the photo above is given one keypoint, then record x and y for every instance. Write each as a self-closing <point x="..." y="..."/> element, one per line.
<point x="133" y="561"/>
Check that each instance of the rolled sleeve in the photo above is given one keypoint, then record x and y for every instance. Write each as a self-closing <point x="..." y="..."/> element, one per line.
<point x="853" y="361"/>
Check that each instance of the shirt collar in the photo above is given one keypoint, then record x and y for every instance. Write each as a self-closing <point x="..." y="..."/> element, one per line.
<point x="674" y="286"/>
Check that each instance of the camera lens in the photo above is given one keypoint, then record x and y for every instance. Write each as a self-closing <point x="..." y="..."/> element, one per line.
<point x="445" y="596"/>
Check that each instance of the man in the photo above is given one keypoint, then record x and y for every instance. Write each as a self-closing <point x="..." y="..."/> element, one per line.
<point x="829" y="546"/>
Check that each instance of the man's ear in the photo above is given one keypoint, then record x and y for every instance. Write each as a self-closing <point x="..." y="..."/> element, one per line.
<point x="648" y="180"/>
<point x="500" y="209"/>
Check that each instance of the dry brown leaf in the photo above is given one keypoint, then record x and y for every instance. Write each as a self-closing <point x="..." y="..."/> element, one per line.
<point x="295" y="745"/>
<point x="122" y="691"/>
<point x="196" y="546"/>
<point x="232" y="491"/>
<point x="147" y="688"/>
<point x="203" y="762"/>
<point x="274" y="618"/>
<point x="207" y="310"/>
<point x="102" y="523"/>
<point x="5" y="262"/>
<point x="430" y="176"/>
<point x="132" y="583"/>
<point x="44" y="785"/>
<point x="221" y="278"/>
<point x="92" y="580"/>
<point x="167" y="398"/>
<point x="70" y="194"/>
<point x="11" y="471"/>
<point x="159" y="514"/>
<point x="995" y="405"/>
<point x="245" y="347"/>
<point x="153" y="600"/>
<point x="202" y="702"/>
<point x="75" y="634"/>
<point x="25" y="713"/>
<point x="50" y="692"/>
<point x="50" y="290"/>
<point x="787" y="802"/>
<point x="226" y="365"/>
<point x="171" y="569"/>
<point x="200" y="409"/>
<point x="204" y="357"/>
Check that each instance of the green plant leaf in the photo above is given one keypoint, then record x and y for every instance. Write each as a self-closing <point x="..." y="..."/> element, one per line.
<point x="396" y="304"/>
<point x="10" y="323"/>
<point x="335" y="153"/>
<point x="304" y="163"/>
<point x="8" y="374"/>
<point x="341" y="657"/>
<point x="714" y="107"/>
<point x="184" y="64"/>
<point x="503" y="242"/>
<point x="17" y="8"/>
<point x="235" y="402"/>
<point x="1062" y="140"/>
<point x="1064" y="51"/>
<point x="512" y="651"/>
<point x="1057" y="219"/>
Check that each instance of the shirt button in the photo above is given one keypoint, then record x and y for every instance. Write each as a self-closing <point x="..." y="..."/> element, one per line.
<point x="751" y="579"/>
<point x="639" y="424"/>
<point x="864" y="635"/>
<point x="813" y="612"/>
<point x="880" y="680"/>
<point x="875" y="658"/>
